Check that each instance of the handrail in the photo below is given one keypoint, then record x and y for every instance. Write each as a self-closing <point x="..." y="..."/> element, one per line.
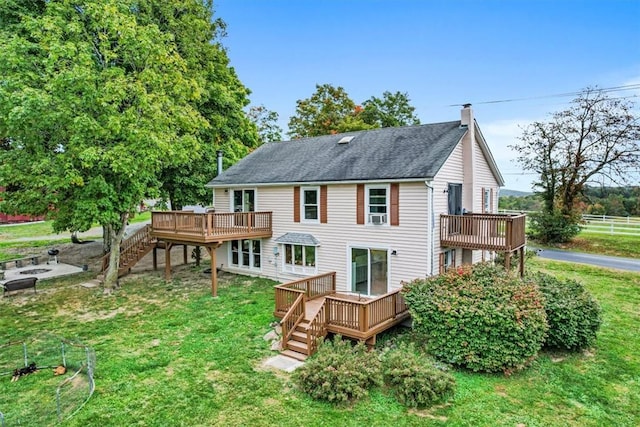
<point x="317" y="328"/>
<point x="211" y="224"/>
<point x="363" y="316"/>
<point x="314" y="286"/>
<point x="130" y="247"/>
<point x="294" y="316"/>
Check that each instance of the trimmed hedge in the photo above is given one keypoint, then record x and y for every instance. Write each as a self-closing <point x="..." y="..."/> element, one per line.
<point x="478" y="317"/>
<point x="574" y="316"/>
<point x="416" y="382"/>
<point x="339" y="372"/>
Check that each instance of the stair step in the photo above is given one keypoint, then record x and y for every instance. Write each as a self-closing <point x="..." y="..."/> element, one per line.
<point x="299" y="336"/>
<point x="294" y="355"/>
<point x="302" y="325"/>
<point x="298" y="346"/>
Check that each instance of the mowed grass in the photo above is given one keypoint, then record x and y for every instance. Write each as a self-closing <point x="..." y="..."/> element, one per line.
<point x="607" y="244"/>
<point x="44" y="228"/>
<point x="170" y="354"/>
<point x="20" y="235"/>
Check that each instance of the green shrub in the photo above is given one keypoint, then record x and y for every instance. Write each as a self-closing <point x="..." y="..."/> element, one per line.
<point x="553" y="227"/>
<point x="415" y="381"/>
<point x="574" y="316"/>
<point x="479" y="317"/>
<point x="339" y="372"/>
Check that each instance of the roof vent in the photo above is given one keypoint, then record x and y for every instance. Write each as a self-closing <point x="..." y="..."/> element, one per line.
<point x="346" y="139"/>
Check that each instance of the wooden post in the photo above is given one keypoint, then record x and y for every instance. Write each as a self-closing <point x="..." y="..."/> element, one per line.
<point x="507" y="260"/>
<point x="184" y="253"/>
<point x="155" y="258"/>
<point x="522" y="261"/>
<point x="167" y="261"/>
<point x="214" y="274"/>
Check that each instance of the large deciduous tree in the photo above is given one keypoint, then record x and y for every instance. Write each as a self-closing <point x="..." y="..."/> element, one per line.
<point x="96" y="101"/>
<point x="392" y="110"/>
<point x="266" y="123"/>
<point x="329" y="110"/>
<point x="221" y="100"/>
<point x="596" y="137"/>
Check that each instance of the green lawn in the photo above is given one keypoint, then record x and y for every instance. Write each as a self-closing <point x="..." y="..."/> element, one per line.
<point x="170" y="354"/>
<point x="607" y="244"/>
<point x="43" y="228"/>
<point x="10" y="235"/>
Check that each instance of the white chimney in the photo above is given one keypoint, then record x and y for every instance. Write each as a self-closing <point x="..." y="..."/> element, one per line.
<point x="219" y="153"/>
<point x="468" y="158"/>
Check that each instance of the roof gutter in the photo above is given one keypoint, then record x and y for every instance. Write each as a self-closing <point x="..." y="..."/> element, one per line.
<point x="286" y="184"/>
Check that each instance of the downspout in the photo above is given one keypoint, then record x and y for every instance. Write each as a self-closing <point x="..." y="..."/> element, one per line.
<point x="430" y="223"/>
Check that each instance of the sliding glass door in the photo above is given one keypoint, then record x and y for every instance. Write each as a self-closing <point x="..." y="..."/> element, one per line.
<point x="369" y="271"/>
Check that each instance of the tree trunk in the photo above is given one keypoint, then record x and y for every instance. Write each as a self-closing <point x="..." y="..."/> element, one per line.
<point x="106" y="239"/>
<point x="116" y="236"/>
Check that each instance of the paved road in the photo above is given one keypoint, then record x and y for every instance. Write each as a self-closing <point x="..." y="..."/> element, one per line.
<point x="619" y="263"/>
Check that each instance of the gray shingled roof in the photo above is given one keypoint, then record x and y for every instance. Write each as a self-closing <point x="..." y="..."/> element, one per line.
<point x="298" y="239"/>
<point x="412" y="152"/>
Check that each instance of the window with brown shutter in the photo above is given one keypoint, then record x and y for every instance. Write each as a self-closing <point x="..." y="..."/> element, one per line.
<point x="296" y="204"/>
<point x="360" y="204"/>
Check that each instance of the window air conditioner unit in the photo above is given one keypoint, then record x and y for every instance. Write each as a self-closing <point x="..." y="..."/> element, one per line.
<point x="378" y="219"/>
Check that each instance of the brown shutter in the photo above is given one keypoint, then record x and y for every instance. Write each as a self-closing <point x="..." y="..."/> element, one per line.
<point x="323" y="204"/>
<point x="296" y="204"/>
<point x="360" y="204"/>
<point x="395" y="204"/>
<point x="482" y="209"/>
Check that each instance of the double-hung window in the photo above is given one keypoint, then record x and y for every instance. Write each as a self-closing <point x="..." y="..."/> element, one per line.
<point x="310" y="205"/>
<point x="377" y="208"/>
<point x="299" y="259"/>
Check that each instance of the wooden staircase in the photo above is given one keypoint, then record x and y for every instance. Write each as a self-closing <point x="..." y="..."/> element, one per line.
<point x="132" y="250"/>
<point x="300" y="333"/>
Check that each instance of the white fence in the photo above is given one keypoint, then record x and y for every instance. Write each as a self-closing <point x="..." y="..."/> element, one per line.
<point x="605" y="224"/>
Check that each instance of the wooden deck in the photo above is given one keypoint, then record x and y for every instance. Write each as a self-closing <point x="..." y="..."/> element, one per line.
<point x="201" y="228"/>
<point x="311" y="307"/>
<point x="206" y="229"/>
<point x="492" y="232"/>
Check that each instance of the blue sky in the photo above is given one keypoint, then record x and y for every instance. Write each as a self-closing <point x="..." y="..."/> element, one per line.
<point x="440" y="53"/>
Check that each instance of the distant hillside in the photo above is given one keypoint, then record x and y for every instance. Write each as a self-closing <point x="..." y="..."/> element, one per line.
<point x="514" y="193"/>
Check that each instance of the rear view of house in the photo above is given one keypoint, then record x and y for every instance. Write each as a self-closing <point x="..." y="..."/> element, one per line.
<point x="366" y="205"/>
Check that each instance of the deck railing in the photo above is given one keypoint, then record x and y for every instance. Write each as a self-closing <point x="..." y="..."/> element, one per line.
<point x="317" y="328"/>
<point x="292" y="319"/>
<point x="310" y="287"/>
<point x="483" y="231"/>
<point x="131" y="247"/>
<point x="366" y="317"/>
<point x="211" y="224"/>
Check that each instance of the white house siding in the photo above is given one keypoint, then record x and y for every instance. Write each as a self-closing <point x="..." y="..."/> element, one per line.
<point x="409" y="239"/>
<point x="484" y="178"/>
<point x="452" y="172"/>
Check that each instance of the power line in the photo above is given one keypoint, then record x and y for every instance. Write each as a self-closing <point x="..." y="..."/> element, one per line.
<point x="634" y="86"/>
